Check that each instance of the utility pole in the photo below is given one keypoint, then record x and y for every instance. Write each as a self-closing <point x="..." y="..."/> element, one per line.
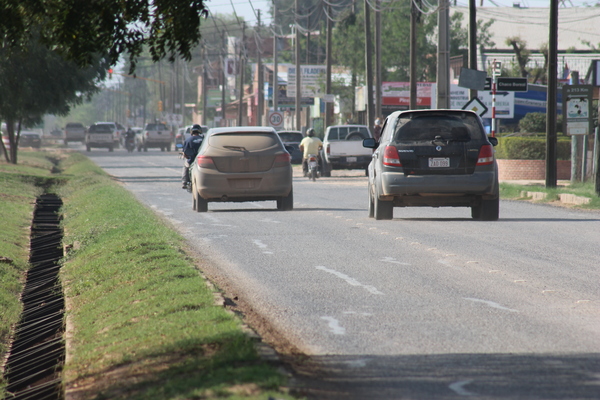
<point x="298" y="72"/>
<point x="275" y="78"/>
<point x="368" y="65"/>
<point x="223" y="79"/>
<point x="204" y="86"/>
<point x="328" y="105"/>
<point x="242" y="67"/>
<point x="413" y="55"/>
<point x="552" y="96"/>
<point x="378" y="82"/>
<point x="259" y="67"/>
<point x="472" y="42"/>
<point x="443" y="67"/>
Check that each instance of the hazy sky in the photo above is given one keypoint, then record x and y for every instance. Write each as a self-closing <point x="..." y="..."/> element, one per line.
<point x="247" y="8"/>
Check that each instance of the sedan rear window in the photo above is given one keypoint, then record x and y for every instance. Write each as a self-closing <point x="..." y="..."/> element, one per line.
<point x="244" y="141"/>
<point x="290" y="136"/>
<point x="438" y="126"/>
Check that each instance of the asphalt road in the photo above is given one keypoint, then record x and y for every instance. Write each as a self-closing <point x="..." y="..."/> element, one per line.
<point x="429" y="305"/>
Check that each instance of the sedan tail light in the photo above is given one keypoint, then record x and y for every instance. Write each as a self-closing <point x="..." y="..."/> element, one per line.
<point x="390" y="157"/>
<point x="205" y="162"/>
<point x="282" y="160"/>
<point x="486" y="155"/>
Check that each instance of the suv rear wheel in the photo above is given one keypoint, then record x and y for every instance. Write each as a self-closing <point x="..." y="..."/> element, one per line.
<point x="382" y="209"/>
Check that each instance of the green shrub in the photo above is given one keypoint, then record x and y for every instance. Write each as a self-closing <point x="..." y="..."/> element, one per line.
<point x="536" y="123"/>
<point x="531" y="148"/>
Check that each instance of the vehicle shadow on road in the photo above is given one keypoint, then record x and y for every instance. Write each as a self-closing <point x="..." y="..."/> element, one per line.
<point x="450" y="376"/>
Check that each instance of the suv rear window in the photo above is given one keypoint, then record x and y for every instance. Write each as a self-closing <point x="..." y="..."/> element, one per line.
<point x="460" y="128"/>
<point x="74" y="125"/>
<point x="156" y="127"/>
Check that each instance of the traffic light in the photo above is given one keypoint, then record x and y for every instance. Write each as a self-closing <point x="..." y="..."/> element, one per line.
<point x="160" y="105"/>
<point x="110" y="71"/>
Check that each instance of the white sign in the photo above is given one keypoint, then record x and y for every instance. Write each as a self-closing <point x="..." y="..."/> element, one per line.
<point x="174" y="119"/>
<point x="459" y="97"/>
<point x="311" y="79"/>
<point x="275" y="119"/>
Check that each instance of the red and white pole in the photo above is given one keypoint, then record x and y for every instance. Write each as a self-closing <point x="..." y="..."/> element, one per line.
<point x="494" y="106"/>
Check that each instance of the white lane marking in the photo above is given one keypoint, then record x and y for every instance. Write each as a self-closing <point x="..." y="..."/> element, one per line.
<point x="364" y="314"/>
<point x="490" y="304"/>
<point x="262" y="246"/>
<point x="334" y="326"/>
<point x="257" y="205"/>
<point x="357" y="363"/>
<point x="349" y="280"/>
<point x="448" y="264"/>
<point x="458" y="388"/>
<point x="269" y="220"/>
<point x="393" y="261"/>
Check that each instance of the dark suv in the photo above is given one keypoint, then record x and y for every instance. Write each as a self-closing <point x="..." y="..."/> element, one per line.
<point x="433" y="158"/>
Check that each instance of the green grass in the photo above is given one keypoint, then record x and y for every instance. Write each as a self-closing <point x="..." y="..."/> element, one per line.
<point x="143" y="324"/>
<point x="587" y="189"/>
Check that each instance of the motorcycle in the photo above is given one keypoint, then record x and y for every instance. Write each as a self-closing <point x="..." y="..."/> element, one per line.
<point x="313" y="167"/>
<point x="130" y="143"/>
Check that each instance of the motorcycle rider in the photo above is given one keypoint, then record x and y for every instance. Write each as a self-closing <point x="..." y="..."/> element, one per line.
<point x="129" y="137"/>
<point x="310" y="145"/>
<point x="189" y="151"/>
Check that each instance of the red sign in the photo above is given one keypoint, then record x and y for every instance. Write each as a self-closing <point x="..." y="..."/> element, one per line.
<point x="398" y="94"/>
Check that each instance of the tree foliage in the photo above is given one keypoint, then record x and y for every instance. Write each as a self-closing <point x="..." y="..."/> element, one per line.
<point x="36" y="81"/>
<point x="79" y="30"/>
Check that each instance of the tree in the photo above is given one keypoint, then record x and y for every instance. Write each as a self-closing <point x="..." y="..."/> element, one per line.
<point x="79" y="30"/>
<point x="36" y="81"/>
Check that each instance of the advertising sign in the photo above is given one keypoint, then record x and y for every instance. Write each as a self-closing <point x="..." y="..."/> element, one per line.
<point x="398" y="94"/>
<point x="311" y="80"/>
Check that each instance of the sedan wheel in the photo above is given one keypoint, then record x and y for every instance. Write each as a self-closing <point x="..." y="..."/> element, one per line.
<point x="286" y="203"/>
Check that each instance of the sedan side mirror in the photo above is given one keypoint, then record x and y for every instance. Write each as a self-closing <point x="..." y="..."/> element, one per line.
<point x="370" y="143"/>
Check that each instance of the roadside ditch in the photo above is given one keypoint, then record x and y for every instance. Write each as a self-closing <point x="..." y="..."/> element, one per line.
<point x="37" y="352"/>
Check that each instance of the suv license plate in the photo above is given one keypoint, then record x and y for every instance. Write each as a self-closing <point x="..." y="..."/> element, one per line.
<point x="350" y="159"/>
<point x="439" y="162"/>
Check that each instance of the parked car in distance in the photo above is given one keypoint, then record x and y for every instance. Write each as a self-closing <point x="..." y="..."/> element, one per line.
<point x="74" y="132"/>
<point x="292" y="139"/>
<point x="433" y="158"/>
<point x="100" y="134"/>
<point x="154" y="135"/>
<point x="342" y="148"/>
<point x="185" y="132"/>
<point x="30" y="139"/>
<point x="242" y="164"/>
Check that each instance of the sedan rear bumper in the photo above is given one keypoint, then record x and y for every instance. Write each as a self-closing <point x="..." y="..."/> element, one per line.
<point x="218" y="186"/>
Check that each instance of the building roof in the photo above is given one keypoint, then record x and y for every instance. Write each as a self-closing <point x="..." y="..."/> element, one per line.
<point x="575" y="25"/>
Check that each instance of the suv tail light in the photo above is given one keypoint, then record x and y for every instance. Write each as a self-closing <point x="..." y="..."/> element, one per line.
<point x="390" y="157"/>
<point x="327" y="149"/>
<point x="205" y="162"/>
<point x="486" y="155"/>
<point x="282" y="160"/>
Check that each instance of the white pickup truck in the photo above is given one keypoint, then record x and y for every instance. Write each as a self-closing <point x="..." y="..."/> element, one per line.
<point x="343" y="149"/>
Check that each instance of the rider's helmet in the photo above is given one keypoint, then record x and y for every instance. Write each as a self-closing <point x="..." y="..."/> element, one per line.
<point x="196" y="129"/>
<point x="310" y="132"/>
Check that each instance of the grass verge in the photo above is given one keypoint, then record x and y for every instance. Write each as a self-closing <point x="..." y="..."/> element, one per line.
<point x="142" y="322"/>
<point x="510" y="191"/>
